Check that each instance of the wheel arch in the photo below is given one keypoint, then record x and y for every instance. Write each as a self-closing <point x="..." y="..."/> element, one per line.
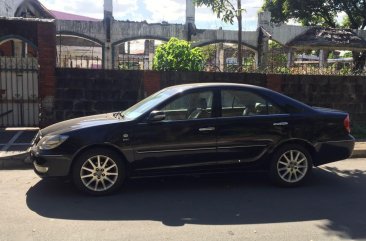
<point x="307" y="145"/>
<point x="103" y="146"/>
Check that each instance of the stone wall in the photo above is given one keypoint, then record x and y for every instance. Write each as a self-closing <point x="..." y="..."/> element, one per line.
<point x="347" y="93"/>
<point x="83" y="92"/>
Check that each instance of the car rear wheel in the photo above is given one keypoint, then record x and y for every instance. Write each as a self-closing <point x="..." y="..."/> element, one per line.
<point x="98" y="172"/>
<point x="291" y="165"/>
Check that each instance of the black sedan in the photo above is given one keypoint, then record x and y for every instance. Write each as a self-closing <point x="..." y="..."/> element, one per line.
<point x="191" y="129"/>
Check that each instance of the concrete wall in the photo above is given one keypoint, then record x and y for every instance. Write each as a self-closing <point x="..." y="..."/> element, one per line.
<point x="123" y="30"/>
<point x="83" y="92"/>
<point x="209" y="36"/>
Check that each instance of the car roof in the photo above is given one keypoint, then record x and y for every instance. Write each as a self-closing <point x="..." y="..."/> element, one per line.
<point x="214" y="84"/>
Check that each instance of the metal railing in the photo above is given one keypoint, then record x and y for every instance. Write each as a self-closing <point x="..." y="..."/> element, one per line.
<point x="276" y="64"/>
<point x="84" y="62"/>
<point x="134" y="62"/>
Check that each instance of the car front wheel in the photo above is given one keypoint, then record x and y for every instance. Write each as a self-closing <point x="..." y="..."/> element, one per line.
<point x="98" y="172"/>
<point x="291" y="165"/>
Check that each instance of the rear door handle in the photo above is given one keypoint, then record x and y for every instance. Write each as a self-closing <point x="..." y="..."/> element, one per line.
<point x="207" y="129"/>
<point x="280" y="123"/>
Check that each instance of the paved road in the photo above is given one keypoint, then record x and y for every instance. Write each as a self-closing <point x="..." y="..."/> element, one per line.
<point x="332" y="206"/>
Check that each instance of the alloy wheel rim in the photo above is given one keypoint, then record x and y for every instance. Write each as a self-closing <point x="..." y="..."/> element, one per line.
<point x="292" y="166"/>
<point x="99" y="173"/>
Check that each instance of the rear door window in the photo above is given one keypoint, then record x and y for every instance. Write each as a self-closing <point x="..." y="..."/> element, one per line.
<point x="245" y="103"/>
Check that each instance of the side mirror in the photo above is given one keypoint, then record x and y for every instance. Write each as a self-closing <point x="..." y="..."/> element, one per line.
<point x="156" y="115"/>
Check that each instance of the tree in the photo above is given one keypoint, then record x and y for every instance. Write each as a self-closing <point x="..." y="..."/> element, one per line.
<point x="310" y="12"/>
<point x="322" y="12"/>
<point x="178" y="55"/>
<point x="227" y="12"/>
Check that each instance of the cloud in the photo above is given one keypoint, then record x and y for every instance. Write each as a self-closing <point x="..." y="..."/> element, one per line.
<point x="172" y="11"/>
<point x="168" y="10"/>
<point x="126" y="8"/>
<point x="206" y="19"/>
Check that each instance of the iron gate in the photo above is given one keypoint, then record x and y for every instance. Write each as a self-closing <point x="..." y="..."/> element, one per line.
<point x="19" y="99"/>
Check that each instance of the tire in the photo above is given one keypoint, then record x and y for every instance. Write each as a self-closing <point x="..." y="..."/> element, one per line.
<point x="98" y="172"/>
<point x="291" y="165"/>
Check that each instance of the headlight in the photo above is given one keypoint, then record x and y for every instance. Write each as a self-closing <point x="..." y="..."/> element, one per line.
<point x="50" y="142"/>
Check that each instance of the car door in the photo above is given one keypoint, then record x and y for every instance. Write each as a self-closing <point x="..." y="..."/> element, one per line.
<point x="186" y="138"/>
<point x="248" y="125"/>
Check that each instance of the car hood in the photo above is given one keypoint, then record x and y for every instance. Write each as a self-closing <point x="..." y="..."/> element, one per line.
<point x="82" y="122"/>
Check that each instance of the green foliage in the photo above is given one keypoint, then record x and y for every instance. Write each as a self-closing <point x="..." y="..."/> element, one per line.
<point x="310" y="12"/>
<point x="282" y="70"/>
<point x="278" y="55"/>
<point x="249" y="64"/>
<point x="209" y="52"/>
<point x="129" y="65"/>
<point x="177" y="55"/>
<point x="319" y="12"/>
<point x="355" y="11"/>
<point x="332" y="55"/>
<point x="348" y="54"/>
<point x="227" y="12"/>
<point x="324" y="13"/>
<point x="346" y="70"/>
<point x="274" y="45"/>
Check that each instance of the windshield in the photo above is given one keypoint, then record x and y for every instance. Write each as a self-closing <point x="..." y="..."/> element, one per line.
<point x="141" y="107"/>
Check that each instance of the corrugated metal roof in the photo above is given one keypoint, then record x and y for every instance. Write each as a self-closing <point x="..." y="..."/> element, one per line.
<point x="329" y="38"/>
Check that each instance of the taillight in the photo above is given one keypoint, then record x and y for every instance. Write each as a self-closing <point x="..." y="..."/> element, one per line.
<point x="347" y="124"/>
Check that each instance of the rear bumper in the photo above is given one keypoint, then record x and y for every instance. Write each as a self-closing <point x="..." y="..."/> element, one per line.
<point x="50" y="165"/>
<point x="332" y="151"/>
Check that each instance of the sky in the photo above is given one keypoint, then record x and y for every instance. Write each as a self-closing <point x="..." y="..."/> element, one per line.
<point x="155" y="11"/>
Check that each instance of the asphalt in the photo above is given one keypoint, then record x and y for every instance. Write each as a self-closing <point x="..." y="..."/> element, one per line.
<point x="226" y="207"/>
<point x="15" y="143"/>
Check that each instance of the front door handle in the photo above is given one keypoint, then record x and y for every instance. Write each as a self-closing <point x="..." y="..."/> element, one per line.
<point x="281" y="123"/>
<point x="207" y="129"/>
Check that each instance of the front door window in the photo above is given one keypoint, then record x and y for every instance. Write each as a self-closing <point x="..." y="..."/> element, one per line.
<point x="190" y="106"/>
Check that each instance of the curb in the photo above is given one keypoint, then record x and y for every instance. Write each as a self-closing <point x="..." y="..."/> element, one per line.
<point x="358" y="154"/>
<point x="15" y="162"/>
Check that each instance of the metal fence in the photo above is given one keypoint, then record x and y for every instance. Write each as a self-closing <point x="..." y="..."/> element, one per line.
<point x="134" y="62"/>
<point x="248" y="66"/>
<point x="84" y="62"/>
<point x="19" y="99"/>
<point x="277" y="63"/>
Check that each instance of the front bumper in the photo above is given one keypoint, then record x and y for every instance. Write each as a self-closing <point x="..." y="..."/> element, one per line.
<point x="332" y="151"/>
<point x="49" y="165"/>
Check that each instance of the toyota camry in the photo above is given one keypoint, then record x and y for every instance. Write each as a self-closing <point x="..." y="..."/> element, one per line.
<point x="194" y="129"/>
